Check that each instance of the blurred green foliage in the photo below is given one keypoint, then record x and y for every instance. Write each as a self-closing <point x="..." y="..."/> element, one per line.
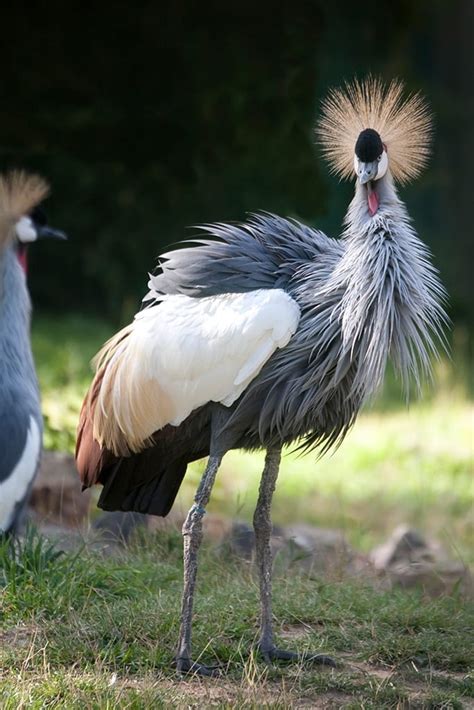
<point x="63" y="349"/>
<point x="150" y="118"/>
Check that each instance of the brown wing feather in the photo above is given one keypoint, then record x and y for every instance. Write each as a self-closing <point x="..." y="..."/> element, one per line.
<point x="148" y="481"/>
<point x="90" y="457"/>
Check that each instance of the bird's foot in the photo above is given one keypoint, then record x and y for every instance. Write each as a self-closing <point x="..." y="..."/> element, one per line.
<point x="185" y="666"/>
<point x="279" y="654"/>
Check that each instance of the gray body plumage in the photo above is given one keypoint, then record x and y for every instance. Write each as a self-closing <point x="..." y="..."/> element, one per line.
<point x="371" y="295"/>
<point x="19" y="394"/>
<point x="364" y="298"/>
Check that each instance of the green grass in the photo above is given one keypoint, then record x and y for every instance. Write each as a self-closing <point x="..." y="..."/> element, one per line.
<point x="63" y="349"/>
<point x="84" y="631"/>
<point x="87" y="631"/>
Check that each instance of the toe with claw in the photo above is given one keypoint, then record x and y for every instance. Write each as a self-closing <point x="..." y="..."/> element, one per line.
<point x="278" y="654"/>
<point x="185" y="666"/>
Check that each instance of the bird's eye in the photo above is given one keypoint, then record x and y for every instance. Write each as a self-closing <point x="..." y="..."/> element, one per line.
<point x="379" y="158"/>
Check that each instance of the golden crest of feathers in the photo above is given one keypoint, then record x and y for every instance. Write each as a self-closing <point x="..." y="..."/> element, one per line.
<point x="20" y="192"/>
<point x="403" y="122"/>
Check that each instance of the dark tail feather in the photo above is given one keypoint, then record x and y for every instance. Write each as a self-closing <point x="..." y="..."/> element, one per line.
<point x="145" y="482"/>
<point x="154" y="496"/>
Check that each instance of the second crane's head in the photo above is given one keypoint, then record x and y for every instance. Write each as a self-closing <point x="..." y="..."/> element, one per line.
<point x="31" y="228"/>
<point x="22" y="219"/>
<point x="371" y="131"/>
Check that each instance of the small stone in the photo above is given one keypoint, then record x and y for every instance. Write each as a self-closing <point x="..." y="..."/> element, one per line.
<point x="404" y="544"/>
<point x="409" y="560"/>
<point x="118" y="527"/>
<point x="242" y="539"/>
<point x="56" y="496"/>
<point x="318" y="550"/>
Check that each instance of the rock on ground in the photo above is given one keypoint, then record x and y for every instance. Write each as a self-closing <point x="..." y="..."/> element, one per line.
<point x="56" y="496"/>
<point x="408" y="559"/>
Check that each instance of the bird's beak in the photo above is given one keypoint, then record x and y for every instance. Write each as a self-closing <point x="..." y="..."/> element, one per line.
<point x="372" y="198"/>
<point x="367" y="172"/>
<point x="49" y="233"/>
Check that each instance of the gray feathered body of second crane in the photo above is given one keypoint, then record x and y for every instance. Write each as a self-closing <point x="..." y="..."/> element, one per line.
<point x="21" y="426"/>
<point x="268" y="333"/>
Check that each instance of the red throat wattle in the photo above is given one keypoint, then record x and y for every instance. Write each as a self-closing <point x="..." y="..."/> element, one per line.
<point x="372" y="199"/>
<point x="22" y="258"/>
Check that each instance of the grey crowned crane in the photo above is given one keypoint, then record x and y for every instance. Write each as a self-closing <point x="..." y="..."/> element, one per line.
<point x="267" y="333"/>
<point x="22" y="222"/>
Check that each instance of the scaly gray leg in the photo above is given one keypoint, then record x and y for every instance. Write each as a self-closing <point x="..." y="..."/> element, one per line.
<point x="263" y="530"/>
<point x="192" y="537"/>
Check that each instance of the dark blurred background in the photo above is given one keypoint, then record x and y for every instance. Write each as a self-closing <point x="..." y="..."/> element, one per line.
<point x="149" y="118"/>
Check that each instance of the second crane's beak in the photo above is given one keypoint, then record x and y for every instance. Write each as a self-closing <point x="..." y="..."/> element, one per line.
<point x="46" y="232"/>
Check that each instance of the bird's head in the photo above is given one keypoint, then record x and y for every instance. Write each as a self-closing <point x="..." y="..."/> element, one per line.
<point x="30" y="228"/>
<point x="369" y="130"/>
<point x="370" y="164"/>
<point x="22" y="220"/>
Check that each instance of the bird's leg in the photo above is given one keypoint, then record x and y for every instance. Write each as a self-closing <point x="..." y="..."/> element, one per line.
<point x="263" y="530"/>
<point x="192" y="537"/>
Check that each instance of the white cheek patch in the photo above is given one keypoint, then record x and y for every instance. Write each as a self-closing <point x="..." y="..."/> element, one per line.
<point x="383" y="165"/>
<point x="356" y="164"/>
<point x="25" y="230"/>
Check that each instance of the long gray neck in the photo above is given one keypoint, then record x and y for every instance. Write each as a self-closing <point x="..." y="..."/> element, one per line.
<point x="16" y="360"/>
<point x="391" y="294"/>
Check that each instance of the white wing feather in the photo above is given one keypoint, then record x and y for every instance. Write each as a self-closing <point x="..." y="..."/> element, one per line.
<point x="13" y="489"/>
<point x="186" y="352"/>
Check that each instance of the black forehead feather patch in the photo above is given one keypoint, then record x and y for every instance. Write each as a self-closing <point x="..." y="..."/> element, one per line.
<point x="38" y="215"/>
<point x="369" y="146"/>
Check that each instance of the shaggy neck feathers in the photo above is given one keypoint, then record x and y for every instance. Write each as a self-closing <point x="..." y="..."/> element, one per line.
<point x="16" y="360"/>
<point x="391" y="295"/>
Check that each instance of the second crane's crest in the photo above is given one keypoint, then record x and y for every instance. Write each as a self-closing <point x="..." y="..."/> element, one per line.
<point x="20" y="192"/>
<point x="402" y="121"/>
